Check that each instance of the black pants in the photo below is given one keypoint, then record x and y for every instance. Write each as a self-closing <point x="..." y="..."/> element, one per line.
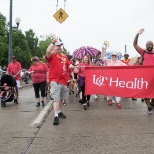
<point x="84" y="98"/>
<point x="39" y="86"/>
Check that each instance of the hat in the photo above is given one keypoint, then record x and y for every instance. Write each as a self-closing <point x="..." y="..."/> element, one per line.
<point x="58" y="43"/>
<point x="114" y="53"/>
<point x="13" y="57"/>
<point x="35" y="59"/>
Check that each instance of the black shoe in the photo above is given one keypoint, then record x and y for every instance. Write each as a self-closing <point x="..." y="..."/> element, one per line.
<point x="88" y="104"/>
<point x="134" y="99"/>
<point x="142" y="100"/>
<point x="61" y="115"/>
<point x="150" y="110"/>
<point x="38" y="104"/>
<point x="84" y="107"/>
<point x="56" y="121"/>
<point x="76" y="95"/>
<point x="72" y="92"/>
<point x="43" y="104"/>
<point x="80" y="101"/>
<point x="16" y="101"/>
<point x="69" y="93"/>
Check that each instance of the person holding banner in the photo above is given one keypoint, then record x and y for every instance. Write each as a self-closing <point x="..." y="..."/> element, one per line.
<point x="81" y="80"/>
<point x="112" y="62"/>
<point x="147" y="59"/>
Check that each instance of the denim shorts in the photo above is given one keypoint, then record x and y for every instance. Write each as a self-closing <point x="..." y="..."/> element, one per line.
<point x="58" y="91"/>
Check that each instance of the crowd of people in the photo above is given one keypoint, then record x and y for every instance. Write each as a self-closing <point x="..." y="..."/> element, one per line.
<point x="61" y="75"/>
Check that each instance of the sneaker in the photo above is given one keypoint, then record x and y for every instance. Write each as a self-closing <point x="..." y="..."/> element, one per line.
<point x="16" y="101"/>
<point x="38" y="104"/>
<point x="80" y="101"/>
<point x="64" y="102"/>
<point x="95" y="97"/>
<point x="88" y="104"/>
<point x="142" y="100"/>
<point x="84" y="106"/>
<point x="56" y="121"/>
<point x="134" y="99"/>
<point x="149" y="110"/>
<point x="43" y="104"/>
<point x="109" y="102"/>
<point x="118" y="106"/>
<point x="61" y="115"/>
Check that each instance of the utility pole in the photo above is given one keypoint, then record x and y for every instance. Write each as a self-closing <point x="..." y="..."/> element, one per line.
<point x="10" y="34"/>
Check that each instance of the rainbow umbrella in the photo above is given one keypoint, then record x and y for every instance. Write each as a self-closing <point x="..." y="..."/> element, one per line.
<point x="85" y="50"/>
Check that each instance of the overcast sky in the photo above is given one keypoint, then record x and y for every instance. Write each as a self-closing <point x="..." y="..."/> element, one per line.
<point x="90" y="22"/>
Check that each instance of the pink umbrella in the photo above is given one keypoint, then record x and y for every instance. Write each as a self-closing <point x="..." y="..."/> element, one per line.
<point x="85" y="50"/>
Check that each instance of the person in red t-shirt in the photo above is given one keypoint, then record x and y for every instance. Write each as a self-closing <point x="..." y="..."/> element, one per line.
<point x="39" y="77"/>
<point x="14" y="68"/>
<point x="58" y="77"/>
<point x="148" y="60"/>
<point x="86" y="61"/>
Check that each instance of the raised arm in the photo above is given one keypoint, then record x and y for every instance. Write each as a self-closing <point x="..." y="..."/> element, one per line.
<point x="50" y="48"/>
<point x="103" y="53"/>
<point x="135" y="43"/>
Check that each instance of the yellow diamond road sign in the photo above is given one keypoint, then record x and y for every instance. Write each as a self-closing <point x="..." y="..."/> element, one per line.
<point x="60" y="15"/>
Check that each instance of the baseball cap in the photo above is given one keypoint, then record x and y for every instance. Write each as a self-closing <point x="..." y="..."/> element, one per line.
<point x="114" y="53"/>
<point x="58" y="43"/>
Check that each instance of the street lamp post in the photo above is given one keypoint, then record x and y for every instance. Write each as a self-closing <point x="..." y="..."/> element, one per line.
<point x="17" y="20"/>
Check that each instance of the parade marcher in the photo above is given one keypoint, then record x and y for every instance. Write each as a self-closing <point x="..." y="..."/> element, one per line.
<point x="112" y="62"/>
<point x="14" y="68"/>
<point x="147" y="59"/>
<point x="97" y="62"/>
<point x="81" y="80"/>
<point x="76" y="70"/>
<point x="126" y="59"/>
<point x="137" y="63"/>
<point x="58" y="77"/>
<point x="39" y="77"/>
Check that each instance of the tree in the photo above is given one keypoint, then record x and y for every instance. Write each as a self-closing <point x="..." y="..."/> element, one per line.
<point x="32" y="41"/>
<point x="3" y="41"/>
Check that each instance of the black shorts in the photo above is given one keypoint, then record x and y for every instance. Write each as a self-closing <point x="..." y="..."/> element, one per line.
<point x="75" y="75"/>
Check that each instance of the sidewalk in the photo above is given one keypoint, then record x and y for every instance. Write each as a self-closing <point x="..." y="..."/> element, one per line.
<point x="101" y="129"/>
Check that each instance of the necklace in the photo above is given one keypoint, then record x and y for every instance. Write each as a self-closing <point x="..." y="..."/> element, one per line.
<point x="61" y="57"/>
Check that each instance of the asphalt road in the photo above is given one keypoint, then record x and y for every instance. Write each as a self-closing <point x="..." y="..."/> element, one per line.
<point x="101" y="129"/>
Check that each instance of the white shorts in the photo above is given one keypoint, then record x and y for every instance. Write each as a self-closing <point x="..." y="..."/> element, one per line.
<point x="18" y="83"/>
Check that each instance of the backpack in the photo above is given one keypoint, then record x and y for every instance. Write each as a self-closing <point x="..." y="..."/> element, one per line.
<point x="144" y="54"/>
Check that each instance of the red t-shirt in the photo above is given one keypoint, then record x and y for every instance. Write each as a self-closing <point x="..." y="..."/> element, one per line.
<point x="58" y="68"/>
<point x="148" y="58"/>
<point x="126" y="62"/>
<point x="82" y="69"/>
<point x="14" y="68"/>
<point x="39" y="74"/>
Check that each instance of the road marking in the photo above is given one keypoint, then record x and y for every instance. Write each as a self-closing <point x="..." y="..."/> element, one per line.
<point x="42" y="114"/>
